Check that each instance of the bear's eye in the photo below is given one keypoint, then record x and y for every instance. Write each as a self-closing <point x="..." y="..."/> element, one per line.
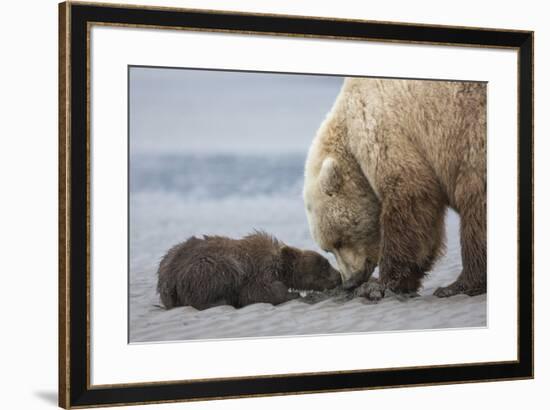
<point x="337" y="245"/>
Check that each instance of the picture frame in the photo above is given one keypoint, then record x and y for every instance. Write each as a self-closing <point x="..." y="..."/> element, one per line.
<point x="76" y="220"/>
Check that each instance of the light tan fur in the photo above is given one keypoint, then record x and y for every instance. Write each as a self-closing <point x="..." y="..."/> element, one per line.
<point x="388" y="160"/>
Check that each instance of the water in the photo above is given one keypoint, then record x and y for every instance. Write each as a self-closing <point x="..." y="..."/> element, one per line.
<point x="206" y="176"/>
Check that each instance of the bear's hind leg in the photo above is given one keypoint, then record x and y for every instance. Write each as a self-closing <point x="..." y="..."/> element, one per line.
<point x="472" y="280"/>
<point x="472" y="207"/>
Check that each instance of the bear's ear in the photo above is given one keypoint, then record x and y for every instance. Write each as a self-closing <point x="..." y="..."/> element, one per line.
<point x="289" y="254"/>
<point x="330" y="178"/>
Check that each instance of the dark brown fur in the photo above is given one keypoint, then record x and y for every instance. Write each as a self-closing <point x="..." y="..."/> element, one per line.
<point x="218" y="270"/>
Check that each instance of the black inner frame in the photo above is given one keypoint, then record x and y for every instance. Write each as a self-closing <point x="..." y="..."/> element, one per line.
<point x="81" y="395"/>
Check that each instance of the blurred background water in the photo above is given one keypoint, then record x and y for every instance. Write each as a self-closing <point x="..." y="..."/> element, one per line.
<point x="203" y="176"/>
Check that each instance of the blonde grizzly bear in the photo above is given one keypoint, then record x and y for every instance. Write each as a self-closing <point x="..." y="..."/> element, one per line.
<point x="388" y="160"/>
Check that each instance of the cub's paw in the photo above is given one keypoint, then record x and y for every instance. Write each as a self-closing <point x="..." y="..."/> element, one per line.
<point x="372" y="290"/>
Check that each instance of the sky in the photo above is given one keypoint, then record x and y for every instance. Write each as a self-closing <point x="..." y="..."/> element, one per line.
<point x="189" y="111"/>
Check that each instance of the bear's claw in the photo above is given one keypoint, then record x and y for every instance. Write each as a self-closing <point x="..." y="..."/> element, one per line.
<point x="445" y="292"/>
<point x="372" y="290"/>
<point x="458" y="288"/>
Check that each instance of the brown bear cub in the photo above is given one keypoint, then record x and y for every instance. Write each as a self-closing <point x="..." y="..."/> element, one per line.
<point x="217" y="270"/>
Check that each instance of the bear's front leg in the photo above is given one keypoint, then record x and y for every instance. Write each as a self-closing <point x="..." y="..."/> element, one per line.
<point x="412" y="228"/>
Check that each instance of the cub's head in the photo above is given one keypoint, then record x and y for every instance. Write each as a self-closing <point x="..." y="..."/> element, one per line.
<point x="308" y="270"/>
<point x="343" y="214"/>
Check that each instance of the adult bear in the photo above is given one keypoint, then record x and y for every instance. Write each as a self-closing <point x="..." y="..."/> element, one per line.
<point x="388" y="160"/>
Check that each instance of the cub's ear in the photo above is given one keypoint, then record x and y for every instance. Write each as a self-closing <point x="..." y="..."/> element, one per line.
<point x="330" y="177"/>
<point x="289" y="254"/>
